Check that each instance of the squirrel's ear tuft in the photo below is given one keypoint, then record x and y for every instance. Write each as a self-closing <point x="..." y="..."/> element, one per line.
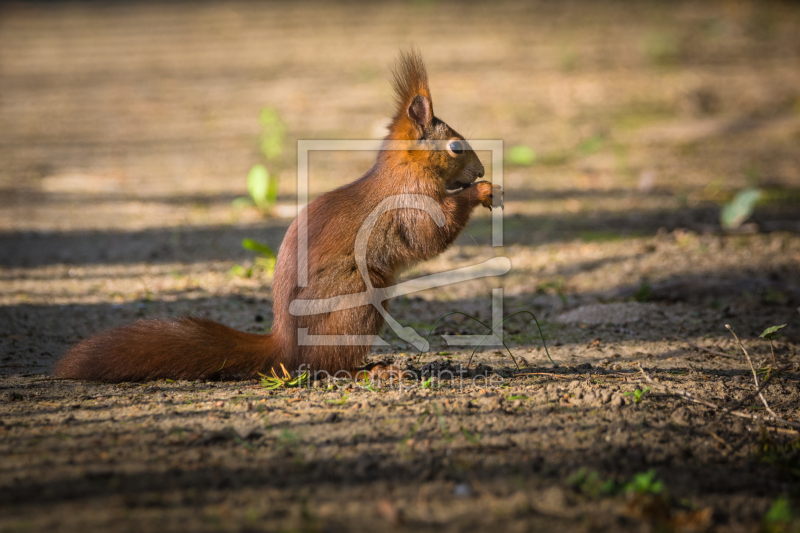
<point x="410" y="82"/>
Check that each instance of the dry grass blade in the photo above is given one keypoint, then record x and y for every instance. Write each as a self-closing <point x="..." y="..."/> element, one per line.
<point x="276" y="382"/>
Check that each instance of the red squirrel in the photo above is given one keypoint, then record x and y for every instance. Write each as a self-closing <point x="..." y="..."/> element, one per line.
<point x="195" y="348"/>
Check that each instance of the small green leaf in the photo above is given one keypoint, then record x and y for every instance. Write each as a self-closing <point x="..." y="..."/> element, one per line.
<point x="608" y="486"/>
<point x="521" y="155"/>
<point x="735" y="213"/>
<point x="272" y="191"/>
<point x="240" y="271"/>
<point x="780" y="512"/>
<point x="258" y="185"/>
<point x="266" y="263"/>
<point x="241" y="203"/>
<point x="258" y="247"/>
<point x="770" y="331"/>
<point x="578" y="478"/>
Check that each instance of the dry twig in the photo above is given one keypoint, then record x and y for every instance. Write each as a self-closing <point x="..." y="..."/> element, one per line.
<point x="689" y="397"/>
<point x="755" y="374"/>
<point x="764" y="385"/>
<point x="721" y="441"/>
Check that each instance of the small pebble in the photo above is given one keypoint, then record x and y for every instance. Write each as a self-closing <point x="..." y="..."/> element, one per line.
<point x="462" y="490"/>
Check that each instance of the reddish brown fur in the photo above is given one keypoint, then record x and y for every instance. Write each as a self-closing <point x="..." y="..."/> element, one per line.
<point x="189" y="348"/>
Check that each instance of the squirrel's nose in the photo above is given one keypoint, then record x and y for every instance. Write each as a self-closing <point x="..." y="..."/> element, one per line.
<point x="480" y="172"/>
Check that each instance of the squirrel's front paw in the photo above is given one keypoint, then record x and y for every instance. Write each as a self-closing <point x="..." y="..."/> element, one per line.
<point x="487" y="192"/>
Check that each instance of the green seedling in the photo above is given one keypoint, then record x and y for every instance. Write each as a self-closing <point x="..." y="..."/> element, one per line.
<point x="472" y="439"/>
<point x="342" y="401"/>
<point x="241" y="272"/>
<point x="428" y="383"/>
<point x="767" y="334"/>
<point x="261" y="185"/>
<point x="645" y="483"/>
<point x="591" y="484"/>
<point x="266" y="256"/>
<point x="521" y="155"/>
<point x="637" y="394"/>
<point x="276" y="382"/>
<point x="779" y="517"/>
<point x="737" y="211"/>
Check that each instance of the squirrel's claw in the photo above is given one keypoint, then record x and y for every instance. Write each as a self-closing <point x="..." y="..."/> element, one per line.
<point x="497" y="192"/>
<point x="486" y="193"/>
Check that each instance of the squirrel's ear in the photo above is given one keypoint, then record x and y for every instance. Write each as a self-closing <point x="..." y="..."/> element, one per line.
<point x="414" y="106"/>
<point x="420" y="111"/>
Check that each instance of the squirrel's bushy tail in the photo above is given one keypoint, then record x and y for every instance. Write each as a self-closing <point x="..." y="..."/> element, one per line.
<point x="180" y="348"/>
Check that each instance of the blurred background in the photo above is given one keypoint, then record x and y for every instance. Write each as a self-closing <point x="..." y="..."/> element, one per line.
<point x="128" y="131"/>
<point x="652" y="195"/>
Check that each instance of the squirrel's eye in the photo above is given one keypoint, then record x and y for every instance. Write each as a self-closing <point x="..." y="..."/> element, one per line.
<point x="456" y="147"/>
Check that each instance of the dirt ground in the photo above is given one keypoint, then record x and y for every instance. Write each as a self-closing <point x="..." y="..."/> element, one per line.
<point x="126" y="133"/>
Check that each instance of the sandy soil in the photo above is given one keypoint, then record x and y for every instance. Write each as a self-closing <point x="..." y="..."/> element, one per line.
<point x="127" y="132"/>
